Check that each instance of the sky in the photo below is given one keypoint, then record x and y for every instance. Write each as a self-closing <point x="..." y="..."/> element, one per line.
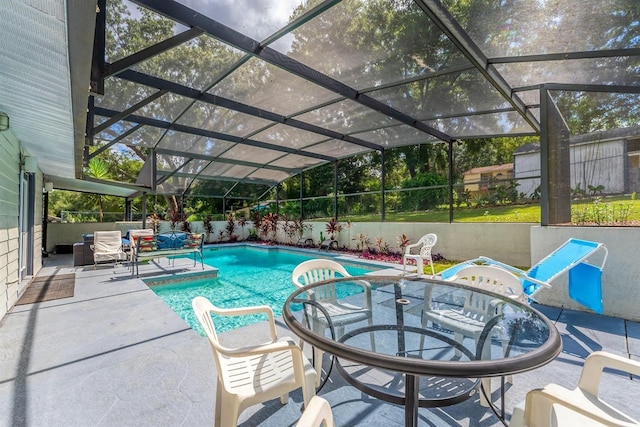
<point x="257" y="19"/>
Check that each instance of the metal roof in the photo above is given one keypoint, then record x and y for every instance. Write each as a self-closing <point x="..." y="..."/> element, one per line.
<point x="249" y="93"/>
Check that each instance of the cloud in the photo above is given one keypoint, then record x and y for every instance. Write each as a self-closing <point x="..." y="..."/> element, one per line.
<point x="255" y="19"/>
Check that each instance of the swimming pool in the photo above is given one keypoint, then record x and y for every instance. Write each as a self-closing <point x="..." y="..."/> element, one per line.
<point x="247" y="276"/>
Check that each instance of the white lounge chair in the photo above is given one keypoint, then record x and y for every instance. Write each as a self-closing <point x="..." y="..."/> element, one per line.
<point x="107" y="247"/>
<point x="424" y="246"/>
<point x="317" y="413"/>
<point x="251" y="375"/>
<point x="585" y="279"/>
<point x="558" y="406"/>
<point x="342" y="313"/>
<point x="470" y="319"/>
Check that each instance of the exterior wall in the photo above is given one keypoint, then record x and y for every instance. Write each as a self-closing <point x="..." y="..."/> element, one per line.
<point x="70" y="233"/>
<point x="9" y="196"/>
<point x="620" y="290"/>
<point x="527" y="165"/>
<point x="599" y="164"/>
<point x="472" y="177"/>
<point x="10" y="285"/>
<point x="591" y="164"/>
<point x="472" y="180"/>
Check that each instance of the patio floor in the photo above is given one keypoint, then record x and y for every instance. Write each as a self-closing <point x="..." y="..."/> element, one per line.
<point x="115" y="355"/>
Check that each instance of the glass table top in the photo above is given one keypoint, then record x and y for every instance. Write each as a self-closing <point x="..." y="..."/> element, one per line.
<point x="422" y="326"/>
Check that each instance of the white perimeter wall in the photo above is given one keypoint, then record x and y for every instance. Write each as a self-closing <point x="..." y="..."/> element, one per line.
<point x="620" y="284"/>
<point x="520" y="245"/>
<point x="70" y="233"/>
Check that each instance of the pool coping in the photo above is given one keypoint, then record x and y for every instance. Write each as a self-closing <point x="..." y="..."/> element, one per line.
<point x="384" y="266"/>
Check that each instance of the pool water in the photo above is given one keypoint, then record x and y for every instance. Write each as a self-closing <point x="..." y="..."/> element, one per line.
<point x="246" y="276"/>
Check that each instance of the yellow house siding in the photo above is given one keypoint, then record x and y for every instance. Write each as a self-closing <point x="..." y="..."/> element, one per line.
<point x="9" y="197"/>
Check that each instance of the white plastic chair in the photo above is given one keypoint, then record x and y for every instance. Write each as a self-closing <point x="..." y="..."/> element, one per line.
<point x="317" y="413"/>
<point x="342" y="313"/>
<point x="251" y="375"/>
<point x="107" y="246"/>
<point x="558" y="406"/>
<point x="470" y="320"/>
<point x="425" y="244"/>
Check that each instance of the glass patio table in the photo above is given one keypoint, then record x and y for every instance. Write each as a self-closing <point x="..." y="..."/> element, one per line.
<point x="422" y="342"/>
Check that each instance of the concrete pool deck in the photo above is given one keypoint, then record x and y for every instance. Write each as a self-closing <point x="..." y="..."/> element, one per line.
<point x="115" y="355"/>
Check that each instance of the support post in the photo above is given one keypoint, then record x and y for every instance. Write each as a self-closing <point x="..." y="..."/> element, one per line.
<point x="144" y="210"/>
<point x="127" y="210"/>
<point x="301" y="194"/>
<point x="555" y="164"/>
<point x="382" y="185"/>
<point x="335" y="190"/>
<point x="96" y="83"/>
<point x="45" y="221"/>
<point x="450" y="181"/>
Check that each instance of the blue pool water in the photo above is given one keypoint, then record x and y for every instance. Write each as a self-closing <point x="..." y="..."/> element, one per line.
<point x="247" y="276"/>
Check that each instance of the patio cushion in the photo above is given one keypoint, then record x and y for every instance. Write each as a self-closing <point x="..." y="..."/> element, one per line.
<point x="171" y="240"/>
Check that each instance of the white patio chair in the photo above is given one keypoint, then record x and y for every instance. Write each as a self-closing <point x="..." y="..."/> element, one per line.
<point x="107" y="246"/>
<point x="251" y="375"/>
<point x="470" y="320"/>
<point x="133" y="238"/>
<point x="342" y="313"/>
<point x="555" y="405"/>
<point x="317" y="413"/>
<point x="425" y="244"/>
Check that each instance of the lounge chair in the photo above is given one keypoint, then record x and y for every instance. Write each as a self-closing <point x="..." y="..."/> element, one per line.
<point x="424" y="246"/>
<point x="251" y="375"/>
<point x="107" y="247"/>
<point x="558" y="406"/>
<point x="585" y="279"/>
<point x="342" y="314"/>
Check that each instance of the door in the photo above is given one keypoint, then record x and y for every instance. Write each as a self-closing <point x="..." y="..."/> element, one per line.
<point x="26" y="225"/>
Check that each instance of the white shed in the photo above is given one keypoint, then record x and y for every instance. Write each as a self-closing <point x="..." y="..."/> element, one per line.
<point x="610" y="159"/>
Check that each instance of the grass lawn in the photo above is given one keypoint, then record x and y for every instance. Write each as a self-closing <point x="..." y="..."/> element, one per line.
<point x="623" y="210"/>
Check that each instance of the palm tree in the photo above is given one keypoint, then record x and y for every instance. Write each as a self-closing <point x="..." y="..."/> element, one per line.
<point x="98" y="169"/>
